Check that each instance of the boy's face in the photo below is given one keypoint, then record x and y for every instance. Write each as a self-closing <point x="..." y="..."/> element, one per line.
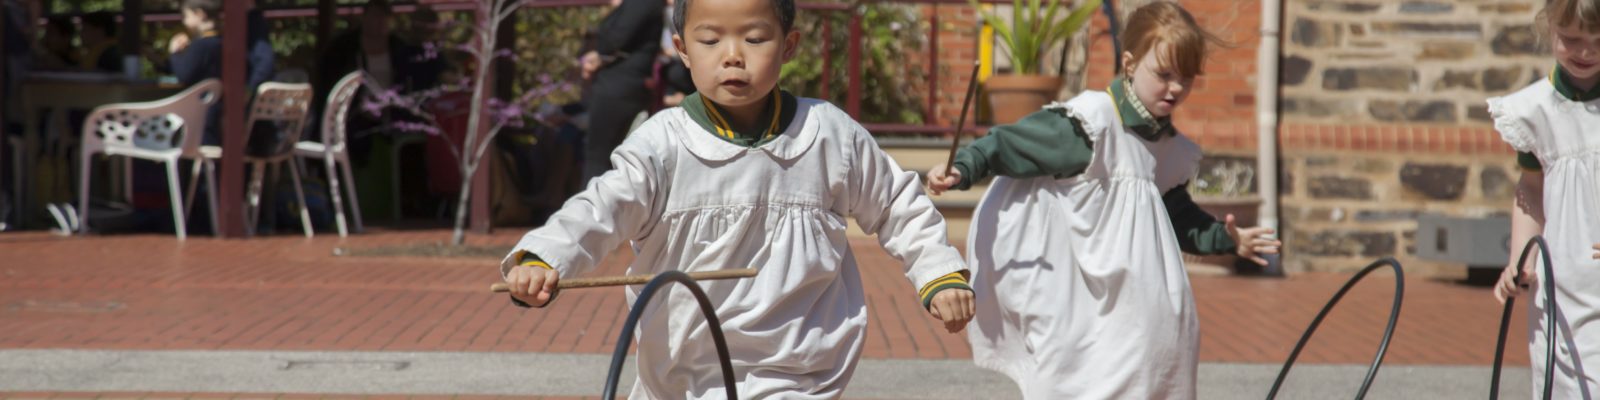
<point x="734" y="49"/>
<point x="1578" y="52"/>
<point x="1159" y="88"/>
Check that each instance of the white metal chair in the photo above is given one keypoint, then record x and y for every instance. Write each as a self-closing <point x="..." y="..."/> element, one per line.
<point x="332" y="150"/>
<point x="285" y="106"/>
<point x="165" y="131"/>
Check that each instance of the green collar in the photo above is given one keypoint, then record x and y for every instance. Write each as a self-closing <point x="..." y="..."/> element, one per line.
<point x="1558" y="77"/>
<point x="1133" y="114"/>
<point x="709" y="116"/>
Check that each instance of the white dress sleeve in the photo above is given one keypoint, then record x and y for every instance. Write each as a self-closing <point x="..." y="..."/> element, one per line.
<point x="622" y="204"/>
<point x="1084" y="111"/>
<point x="888" y="201"/>
<point x="1508" y="117"/>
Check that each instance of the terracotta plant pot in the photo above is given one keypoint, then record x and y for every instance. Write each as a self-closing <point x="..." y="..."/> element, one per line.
<point x="1012" y="97"/>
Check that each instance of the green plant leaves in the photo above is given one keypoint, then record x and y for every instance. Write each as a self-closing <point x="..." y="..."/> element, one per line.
<point x="1034" y="27"/>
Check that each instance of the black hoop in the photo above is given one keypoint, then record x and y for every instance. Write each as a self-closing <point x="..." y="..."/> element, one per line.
<point x="626" y="338"/>
<point x="1388" y="332"/>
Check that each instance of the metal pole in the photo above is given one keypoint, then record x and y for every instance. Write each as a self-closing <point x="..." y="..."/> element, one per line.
<point x="1267" y="114"/>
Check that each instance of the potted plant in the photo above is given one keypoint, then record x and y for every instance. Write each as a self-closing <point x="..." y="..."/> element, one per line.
<point x="1025" y="38"/>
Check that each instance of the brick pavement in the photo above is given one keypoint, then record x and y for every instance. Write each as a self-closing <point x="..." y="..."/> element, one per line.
<point x="289" y="293"/>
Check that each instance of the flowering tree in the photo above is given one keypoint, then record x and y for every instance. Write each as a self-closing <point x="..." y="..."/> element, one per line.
<point x="500" y="113"/>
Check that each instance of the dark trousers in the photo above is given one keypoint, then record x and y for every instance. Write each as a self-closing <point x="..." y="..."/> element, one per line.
<point x="612" y="104"/>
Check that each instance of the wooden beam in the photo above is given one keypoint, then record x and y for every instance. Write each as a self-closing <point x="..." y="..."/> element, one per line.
<point x="234" y="96"/>
<point x="325" y="14"/>
<point x="5" y="101"/>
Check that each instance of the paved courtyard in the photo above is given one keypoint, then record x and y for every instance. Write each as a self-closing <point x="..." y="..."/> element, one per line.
<point x="217" y="305"/>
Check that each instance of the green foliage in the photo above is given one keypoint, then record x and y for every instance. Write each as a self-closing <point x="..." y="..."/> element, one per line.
<point x="71" y="6"/>
<point x="1031" y="31"/>
<point x="890" y="33"/>
<point x="547" y="41"/>
<point x="547" y="44"/>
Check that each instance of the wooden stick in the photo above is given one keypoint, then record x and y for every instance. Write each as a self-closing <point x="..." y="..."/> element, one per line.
<point x="624" y="280"/>
<point x="966" y="104"/>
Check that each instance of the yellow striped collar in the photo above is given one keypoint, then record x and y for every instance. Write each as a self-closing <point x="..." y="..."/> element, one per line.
<point x="725" y="130"/>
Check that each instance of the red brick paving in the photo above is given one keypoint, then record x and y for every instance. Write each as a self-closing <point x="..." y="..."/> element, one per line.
<point x="288" y="293"/>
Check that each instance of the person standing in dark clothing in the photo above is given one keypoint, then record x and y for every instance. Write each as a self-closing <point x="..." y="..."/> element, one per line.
<point x="623" y="58"/>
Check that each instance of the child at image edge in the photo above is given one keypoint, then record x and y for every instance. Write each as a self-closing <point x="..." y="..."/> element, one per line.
<point x="743" y="175"/>
<point x="1554" y="124"/>
<point x="1075" y="248"/>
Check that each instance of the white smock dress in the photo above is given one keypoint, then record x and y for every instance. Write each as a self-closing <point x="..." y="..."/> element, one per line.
<point x="690" y="201"/>
<point x="1565" y="135"/>
<point x="1080" y="283"/>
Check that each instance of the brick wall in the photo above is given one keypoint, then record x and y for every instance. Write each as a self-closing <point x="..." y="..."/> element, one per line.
<point x="1221" y="113"/>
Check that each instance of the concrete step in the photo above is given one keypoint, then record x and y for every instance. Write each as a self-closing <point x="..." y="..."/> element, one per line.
<point x="921" y="155"/>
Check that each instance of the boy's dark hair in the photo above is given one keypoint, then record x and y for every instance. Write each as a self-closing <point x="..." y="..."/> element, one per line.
<point x="212" y="8"/>
<point x="104" y="21"/>
<point x="783" y="9"/>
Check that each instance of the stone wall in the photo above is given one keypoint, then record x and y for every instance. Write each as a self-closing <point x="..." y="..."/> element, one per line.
<point x="1342" y="209"/>
<point x="1405" y="61"/>
<point x="1384" y="119"/>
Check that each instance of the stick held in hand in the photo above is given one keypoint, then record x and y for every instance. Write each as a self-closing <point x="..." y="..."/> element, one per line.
<point x="966" y="104"/>
<point x="624" y="280"/>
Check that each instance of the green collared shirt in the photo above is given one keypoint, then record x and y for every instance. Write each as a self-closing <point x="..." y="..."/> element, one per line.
<point x="709" y="116"/>
<point x="1134" y="116"/>
<point x="1567" y="90"/>
<point x="1564" y="86"/>
<point x="1051" y="143"/>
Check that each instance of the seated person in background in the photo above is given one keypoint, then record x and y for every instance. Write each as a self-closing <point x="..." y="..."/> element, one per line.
<point x="262" y="61"/>
<point x="389" y="62"/>
<point x="196" y="55"/>
<point x="99" y="36"/>
<point x="55" y="51"/>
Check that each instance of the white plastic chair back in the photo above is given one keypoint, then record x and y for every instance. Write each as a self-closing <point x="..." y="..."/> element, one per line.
<point x="176" y="122"/>
<point x="288" y="104"/>
<point x="337" y="110"/>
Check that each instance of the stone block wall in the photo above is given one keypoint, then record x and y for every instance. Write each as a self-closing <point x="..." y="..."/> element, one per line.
<point x="1343" y="210"/>
<point x="1405" y="61"/>
<point x="1383" y="119"/>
